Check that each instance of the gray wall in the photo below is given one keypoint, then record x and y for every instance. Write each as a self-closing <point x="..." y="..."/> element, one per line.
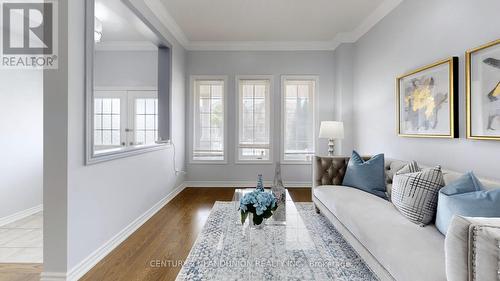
<point x="55" y="148"/>
<point x="416" y="33"/>
<point x="261" y="63"/>
<point x="21" y="140"/>
<point x="101" y="199"/>
<point x="343" y="69"/>
<point x="126" y="69"/>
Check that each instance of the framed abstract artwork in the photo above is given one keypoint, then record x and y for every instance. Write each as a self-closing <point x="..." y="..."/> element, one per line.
<point x="427" y="101"/>
<point x="483" y="91"/>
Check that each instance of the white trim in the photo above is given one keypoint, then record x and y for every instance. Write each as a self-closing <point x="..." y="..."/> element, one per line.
<point x="131" y="113"/>
<point x="368" y="23"/>
<point x="126" y="46"/>
<point x="123" y="151"/>
<point x="192" y="80"/>
<point x="53" y="276"/>
<point x="122" y="96"/>
<point x="127" y="88"/>
<point x="160" y="11"/>
<point x="90" y="261"/>
<point x="314" y="78"/>
<point x="133" y="151"/>
<point x="90" y="156"/>
<point x="262" y="46"/>
<point x="20" y="215"/>
<point x="271" y="117"/>
<point x="233" y="184"/>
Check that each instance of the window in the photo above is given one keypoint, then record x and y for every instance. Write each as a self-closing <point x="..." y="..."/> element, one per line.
<point x="254" y="119"/>
<point x="124" y="119"/>
<point x="298" y="118"/>
<point x="109" y="125"/>
<point x="208" y="119"/>
<point x="121" y="119"/>
<point x="144" y="114"/>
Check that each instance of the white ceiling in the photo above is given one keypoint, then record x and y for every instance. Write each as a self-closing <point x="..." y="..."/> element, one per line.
<point x="120" y="26"/>
<point x="268" y="20"/>
<point x="269" y="24"/>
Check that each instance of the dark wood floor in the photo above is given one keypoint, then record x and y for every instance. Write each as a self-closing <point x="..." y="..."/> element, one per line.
<point x="167" y="237"/>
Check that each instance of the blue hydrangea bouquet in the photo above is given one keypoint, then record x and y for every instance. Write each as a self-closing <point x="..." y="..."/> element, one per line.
<point x="259" y="203"/>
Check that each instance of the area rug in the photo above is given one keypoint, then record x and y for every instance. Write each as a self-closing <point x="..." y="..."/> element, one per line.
<point x="224" y="250"/>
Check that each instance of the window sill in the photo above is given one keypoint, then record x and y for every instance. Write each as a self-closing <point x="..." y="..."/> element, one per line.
<point x="113" y="154"/>
<point x="291" y="162"/>
<point x="208" y="162"/>
<point x="253" y="162"/>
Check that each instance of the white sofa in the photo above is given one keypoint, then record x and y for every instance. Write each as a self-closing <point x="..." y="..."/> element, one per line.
<point x="392" y="246"/>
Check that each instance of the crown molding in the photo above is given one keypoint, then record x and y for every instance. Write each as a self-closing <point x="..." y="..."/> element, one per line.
<point x="126" y="46"/>
<point x="160" y="11"/>
<point x="368" y="23"/>
<point x="261" y="45"/>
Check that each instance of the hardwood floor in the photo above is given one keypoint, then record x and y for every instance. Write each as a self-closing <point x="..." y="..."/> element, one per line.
<point x="20" y="271"/>
<point x="300" y="194"/>
<point x="156" y="250"/>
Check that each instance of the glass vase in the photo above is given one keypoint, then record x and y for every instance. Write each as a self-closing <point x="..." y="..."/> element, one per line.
<point x="278" y="189"/>
<point x="253" y="225"/>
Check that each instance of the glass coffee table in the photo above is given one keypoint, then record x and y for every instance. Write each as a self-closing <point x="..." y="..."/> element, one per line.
<point x="286" y="217"/>
<point x="286" y="248"/>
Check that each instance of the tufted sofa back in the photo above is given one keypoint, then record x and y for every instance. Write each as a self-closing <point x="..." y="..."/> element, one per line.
<point x="331" y="171"/>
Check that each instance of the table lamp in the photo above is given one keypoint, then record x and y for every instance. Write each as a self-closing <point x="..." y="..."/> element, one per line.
<point x="331" y="130"/>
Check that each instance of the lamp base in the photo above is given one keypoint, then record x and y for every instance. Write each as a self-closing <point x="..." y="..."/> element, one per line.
<point x="331" y="147"/>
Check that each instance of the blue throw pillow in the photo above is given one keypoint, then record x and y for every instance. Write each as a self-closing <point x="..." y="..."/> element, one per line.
<point x="466" y="197"/>
<point x="368" y="175"/>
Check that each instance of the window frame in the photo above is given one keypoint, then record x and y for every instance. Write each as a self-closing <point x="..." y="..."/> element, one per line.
<point x="238" y="78"/>
<point x="126" y="95"/>
<point x="132" y="95"/>
<point x="120" y="94"/>
<point x="285" y="78"/>
<point x="161" y="42"/>
<point x="192" y="104"/>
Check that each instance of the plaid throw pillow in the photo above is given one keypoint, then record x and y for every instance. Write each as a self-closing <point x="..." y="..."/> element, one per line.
<point x="415" y="192"/>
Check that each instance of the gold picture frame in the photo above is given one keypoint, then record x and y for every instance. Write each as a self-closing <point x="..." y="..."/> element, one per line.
<point x="471" y="97"/>
<point x="423" y="83"/>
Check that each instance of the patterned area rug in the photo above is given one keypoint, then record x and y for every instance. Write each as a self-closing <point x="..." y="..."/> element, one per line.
<point x="226" y="250"/>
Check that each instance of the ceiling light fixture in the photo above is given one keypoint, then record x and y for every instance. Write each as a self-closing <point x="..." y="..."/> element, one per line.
<point x="97" y="30"/>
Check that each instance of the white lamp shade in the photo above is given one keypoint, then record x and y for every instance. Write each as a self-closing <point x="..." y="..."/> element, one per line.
<point x="331" y="130"/>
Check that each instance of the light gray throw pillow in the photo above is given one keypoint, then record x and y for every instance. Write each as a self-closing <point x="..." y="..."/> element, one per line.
<point x="415" y="192"/>
<point x="472" y="250"/>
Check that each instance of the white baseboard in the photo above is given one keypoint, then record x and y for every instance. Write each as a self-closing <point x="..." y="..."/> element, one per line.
<point x="288" y="184"/>
<point x="20" y="215"/>
<point x="89" y="262"/>
<point x="53" y="276"/>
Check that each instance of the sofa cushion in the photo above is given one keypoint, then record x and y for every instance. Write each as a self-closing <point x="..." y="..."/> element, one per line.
<point x="415" y="194"/>
<point x="471" y="249"/>
<point x="450" y="176"/>
<point x="366" y="175"/>
<point x="411" y="167"/>
<point x="407" y="251"/>
<point x="466" y="197"/>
